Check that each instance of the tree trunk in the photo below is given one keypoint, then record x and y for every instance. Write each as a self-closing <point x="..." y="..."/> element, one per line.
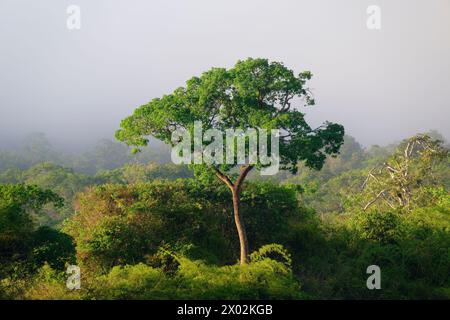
<point x="236" y="192"/>
<point x="240" y="225"/>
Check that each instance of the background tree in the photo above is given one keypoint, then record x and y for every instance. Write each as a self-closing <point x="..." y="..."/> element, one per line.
<point x="255" y="93"/>
<point x="21" y="241"/>
<point x="402" y="177"/>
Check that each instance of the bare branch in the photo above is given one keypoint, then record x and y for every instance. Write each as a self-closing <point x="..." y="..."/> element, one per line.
<point x="373" y="200"/>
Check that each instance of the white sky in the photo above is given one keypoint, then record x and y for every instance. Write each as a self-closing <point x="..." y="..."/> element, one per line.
<point x="77" y="85"/>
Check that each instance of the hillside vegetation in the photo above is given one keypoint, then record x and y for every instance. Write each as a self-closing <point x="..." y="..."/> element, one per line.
<point x="141" y="228"/>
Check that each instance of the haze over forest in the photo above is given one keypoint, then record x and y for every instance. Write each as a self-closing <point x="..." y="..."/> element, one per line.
<point x="359" y="210"/>
<point x="76" y="86"/>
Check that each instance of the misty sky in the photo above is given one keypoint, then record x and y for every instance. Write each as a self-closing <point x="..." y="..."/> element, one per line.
<point x="76" y="86"/>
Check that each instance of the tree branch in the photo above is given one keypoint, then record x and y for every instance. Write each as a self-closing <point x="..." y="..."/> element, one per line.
<point x="244" y="171"/>
<point x="373" y="200"/>
<point x="224" y="178"/>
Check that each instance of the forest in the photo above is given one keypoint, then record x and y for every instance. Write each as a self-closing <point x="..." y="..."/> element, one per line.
<point x="140" y="227"/>
<point x="122" y="221"/>
<point x="202" y="159"/>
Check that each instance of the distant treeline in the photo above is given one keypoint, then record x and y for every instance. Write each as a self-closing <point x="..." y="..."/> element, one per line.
<point x="105" y="155"/>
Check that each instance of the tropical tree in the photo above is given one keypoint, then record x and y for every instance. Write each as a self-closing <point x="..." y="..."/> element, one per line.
<point x="255" y="93"/>
<point x="18" y="206"/>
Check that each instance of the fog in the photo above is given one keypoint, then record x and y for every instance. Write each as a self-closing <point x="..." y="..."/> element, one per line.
<point x="76" y="85"/>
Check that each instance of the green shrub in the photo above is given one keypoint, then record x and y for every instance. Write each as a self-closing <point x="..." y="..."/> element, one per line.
<point x="263" y="278"/>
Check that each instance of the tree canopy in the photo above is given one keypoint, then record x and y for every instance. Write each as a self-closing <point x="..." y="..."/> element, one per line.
<point x="255" y="93"/>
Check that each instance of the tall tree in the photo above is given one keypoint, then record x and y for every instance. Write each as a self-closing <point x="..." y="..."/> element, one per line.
<point x="255" y="93"/>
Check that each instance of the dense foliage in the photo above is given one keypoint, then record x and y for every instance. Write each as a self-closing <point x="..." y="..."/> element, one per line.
<point x="152" y="232"/>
